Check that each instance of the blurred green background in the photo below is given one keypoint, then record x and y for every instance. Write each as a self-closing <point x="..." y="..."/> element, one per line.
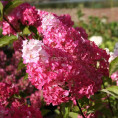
<point x="73" y="3"/>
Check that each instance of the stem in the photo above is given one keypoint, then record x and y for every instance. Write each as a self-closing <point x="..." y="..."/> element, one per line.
<point x="12" y="27"/>
<point x="110" y="107"/>
<point x="61" y="114"/>
<point x="80" y="109"/>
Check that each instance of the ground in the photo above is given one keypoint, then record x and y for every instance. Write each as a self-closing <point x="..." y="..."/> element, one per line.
<point x="111" y="13"/>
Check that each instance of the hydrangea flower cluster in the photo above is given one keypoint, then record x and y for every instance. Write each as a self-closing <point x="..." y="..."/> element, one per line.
<point x="6" y="92"/>
<point x="23" y="14"/>
<point x="19" y="112"/>
<point x="12" y="83"/>
<point x="65" y="65"/>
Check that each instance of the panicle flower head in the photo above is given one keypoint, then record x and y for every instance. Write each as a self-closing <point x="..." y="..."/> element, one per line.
<point x="30" y="17"/>
<point x="23" y="14"/>
<point x="74" y="66"/>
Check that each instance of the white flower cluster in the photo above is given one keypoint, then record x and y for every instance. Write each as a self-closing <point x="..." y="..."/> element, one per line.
<point x="49" y="20"/>
<point x="96" y="39"/>
<point x="33" y="51"/>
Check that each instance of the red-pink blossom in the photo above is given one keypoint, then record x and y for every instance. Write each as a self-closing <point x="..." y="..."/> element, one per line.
<point x="19" y="112"/>
<point x="23" y="14"/>
<point x="114" y="77"/>
<point x="6" y="92"/>
<point x="35" y="99"/>
<point x="74" y="66"/>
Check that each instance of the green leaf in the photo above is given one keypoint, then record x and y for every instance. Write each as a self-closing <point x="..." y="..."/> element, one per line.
<point x="113" y="90"/>
<point x="65" y="109"/>
<point x="45" y="111"/>
<point x="73" y="115"/>
<point x="11" y="5"/>
<point x="26" y="76"/>
<point x="83" y="101"/>
<point x="34" y="30"/>
<point x="80" y="14"/>
<point x="17" y="96"/>
<point x="58" y="115"/>
<point x="5" y="40"/>
<point x="26" y="31"/>
<point x="1" y="11"/>
<point x="75" y="109"/>
<point x="113" y="66"/>
<point x="1" y="32"/>
<point x="21" y="65"/>
<point x="70" y="115"/>
<point x="57" y="111"/>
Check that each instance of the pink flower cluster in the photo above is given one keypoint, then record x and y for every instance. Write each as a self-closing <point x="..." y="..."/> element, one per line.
<point x="19" y="112"/>
<point x="114" y="77"/>
<point x="12" y="84"/>
<point x="6" y="92"/>
<point x="23" y="14"/>
<point x="73" y="66"/>
<point x="35" y="99"/>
